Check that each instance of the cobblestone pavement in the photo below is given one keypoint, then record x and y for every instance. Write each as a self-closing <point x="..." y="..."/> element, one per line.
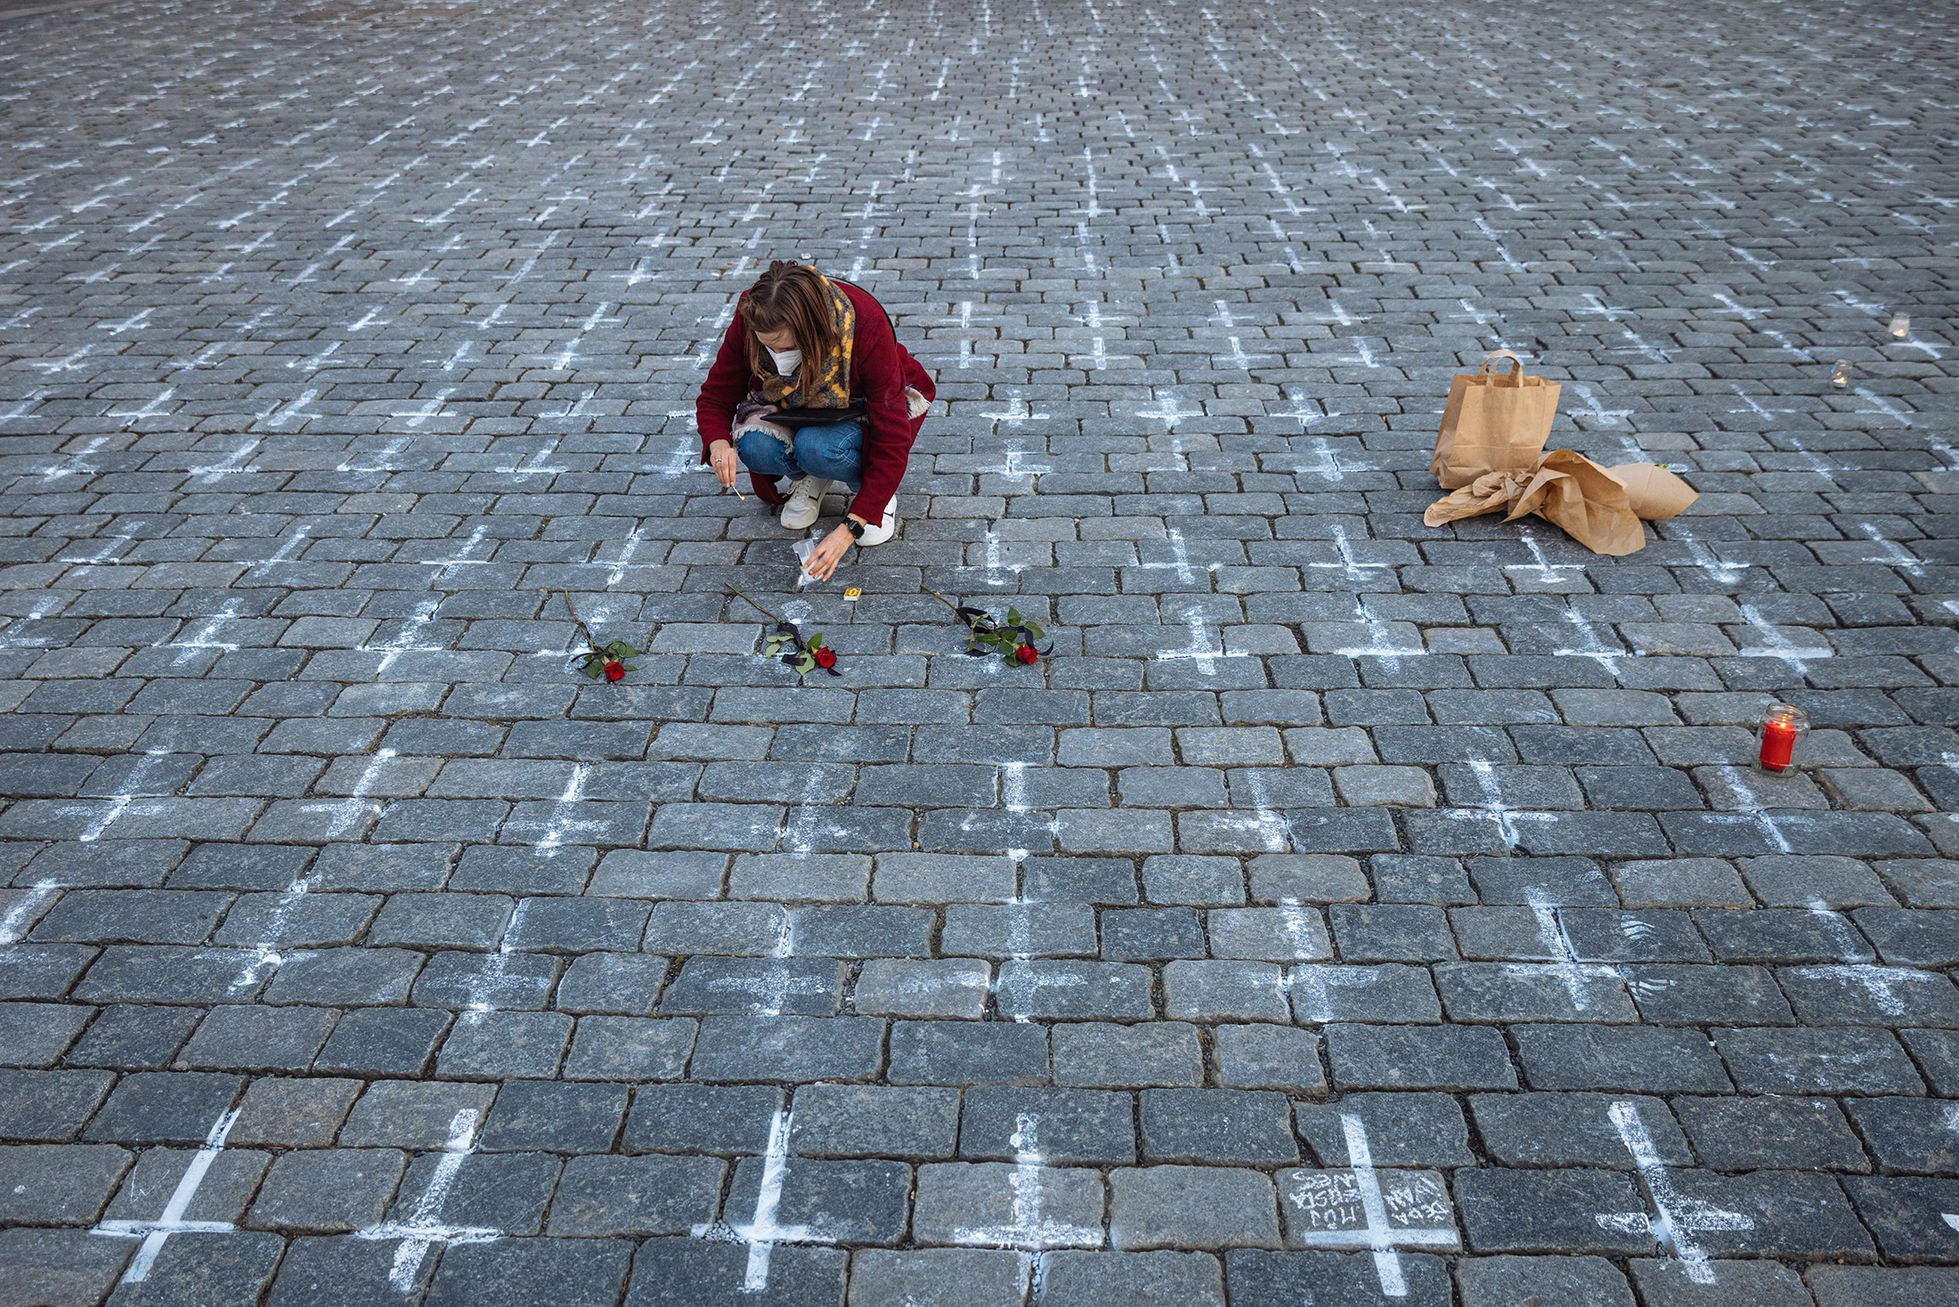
<point x="1349" y="913"/>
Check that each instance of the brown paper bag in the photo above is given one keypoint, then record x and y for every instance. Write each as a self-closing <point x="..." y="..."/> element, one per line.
<point x="1494" y="422"/>
<point x="1654" y="493"/>
<point x="1566" y="489"/>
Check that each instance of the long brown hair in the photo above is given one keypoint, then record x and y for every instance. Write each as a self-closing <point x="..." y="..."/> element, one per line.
<point x="791" y="297"/>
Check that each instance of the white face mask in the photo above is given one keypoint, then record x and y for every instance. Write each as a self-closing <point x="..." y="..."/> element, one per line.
<point x="786" y="360"/>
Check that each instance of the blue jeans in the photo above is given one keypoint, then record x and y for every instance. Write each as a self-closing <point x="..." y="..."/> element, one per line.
<point x="834" y="452"/>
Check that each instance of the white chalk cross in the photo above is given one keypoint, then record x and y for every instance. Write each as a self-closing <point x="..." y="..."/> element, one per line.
<point x="422" y="1228"/>
<point x="1028" y="1230"/>
<point x="762" y="1231"/>
<point x="1354" y="1208"/>
<point x="154" y="1234"/>
<point x="1675" y="1218"/>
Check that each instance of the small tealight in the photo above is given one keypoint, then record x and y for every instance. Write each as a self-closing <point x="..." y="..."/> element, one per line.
<point x="1782" y="724"/>
<point x="1840" y="375"/>
<point x="1900" y="326"/>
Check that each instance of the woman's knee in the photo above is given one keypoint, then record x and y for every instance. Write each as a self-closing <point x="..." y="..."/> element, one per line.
<point x="830" y="451"/>
<point x="762" y="452"/>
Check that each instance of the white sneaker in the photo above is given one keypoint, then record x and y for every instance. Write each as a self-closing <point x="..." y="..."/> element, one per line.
<point x="805" y="503"/>
<point x="879" y="532"/>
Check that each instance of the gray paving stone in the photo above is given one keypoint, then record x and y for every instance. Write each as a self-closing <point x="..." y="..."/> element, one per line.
<point x="411" y="1114"/>
<point x="709" y="1118"/>
<point x="321" y="1269"/>
<point x="963" y="1053"/>
<point x="1117" y="1056"/>
<point x="1576" y="1129"/>
<point x="785" y="1049"/>
<point x="234" y="1268"/>
<point x="1216" y="1126"/>
<point x="621" y="984"/>
<point x="1402" y="1129"/>
<point x="938" y="1277"/>
<point x="1938" y="1052"/>
<point x="948" y="987"/>
<point x="1549" y="1211"/>
<point x="1770" y="1061"/>
<point x="1267" y="1057"/>
<point x="1632" y="1058"/>
<point x="684" y="1272"/>
<point x="258" y="1038"/>
<point x="577" y="1272"/>
<point x="1418" y="1057"/>
<point x="1907" y="1213"/>
<point x="610" y="1196"/>
<point x="1191" y="1206"/>
<point x="1264" y="1279"/>
<point x="66" y="1184"/>
<point x="554" y="1117"/>
<point x="875" y="1121"/>
<point x="1876" y="1286"/>
<point x="1033" y="989"/>
<point x="1107" y="1279"/>
<point x="1339" y="1208"/>
<point x="383" y="1041"/>
<point x="328" y="1189"/>
<point x="631" y="1048"/>
<point x="857" y="1202"/>
<point x="1668" y="1283"/>
<point x="293" y="1112"/>
<point x="1073" y="1126"/>
<point x="756" y="986"/>
<point x="133" y="1037"/>
<point x="1019" y="1204"/>
<point x="61" y="1268"/>
<point x="1487" y="1281"/>
<point x="49" y="1106"/>
<point x="152" y="1107"/>
<point x="1766" y="1132"/>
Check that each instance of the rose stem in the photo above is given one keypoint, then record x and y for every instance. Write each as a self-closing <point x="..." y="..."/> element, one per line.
<point x="583" y="629"/>
<point x="752" y="604"/>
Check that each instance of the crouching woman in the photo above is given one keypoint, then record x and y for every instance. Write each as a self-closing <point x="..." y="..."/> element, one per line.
<point x="812" y="386"/>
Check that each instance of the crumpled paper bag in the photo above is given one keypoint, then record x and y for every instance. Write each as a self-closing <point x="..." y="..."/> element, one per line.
<point x="1601" y="508"/>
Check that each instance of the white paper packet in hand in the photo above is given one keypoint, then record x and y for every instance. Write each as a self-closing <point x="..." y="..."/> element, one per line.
<point x="804" y="548"/>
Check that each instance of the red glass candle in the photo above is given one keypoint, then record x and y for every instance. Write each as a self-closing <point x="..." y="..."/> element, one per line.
<point x="1780" y="726"/>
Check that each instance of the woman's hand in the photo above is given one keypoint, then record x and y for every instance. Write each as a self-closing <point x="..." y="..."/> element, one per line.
<point x="721" y="456"/>
<point x="823" y="559"/>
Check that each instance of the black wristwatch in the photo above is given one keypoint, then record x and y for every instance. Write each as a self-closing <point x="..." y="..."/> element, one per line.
<point x="855" y="528"/>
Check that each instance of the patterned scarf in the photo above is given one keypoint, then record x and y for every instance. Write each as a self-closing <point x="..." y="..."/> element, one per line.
<point x="817" y="383"/>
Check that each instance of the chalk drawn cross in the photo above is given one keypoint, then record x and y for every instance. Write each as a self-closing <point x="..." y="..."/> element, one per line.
<point x="1675" y="1218"/>
<point x="763" y="1231"/>
<point x="422" y="1227"/>
<point x="1354" y="1208"/>
<point x="171" y="1222"/>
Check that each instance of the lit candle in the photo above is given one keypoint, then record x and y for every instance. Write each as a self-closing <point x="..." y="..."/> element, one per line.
<point x="1780" y="727"/>
<point x="1900" y="326"/>
<point x="1840" y="375"/>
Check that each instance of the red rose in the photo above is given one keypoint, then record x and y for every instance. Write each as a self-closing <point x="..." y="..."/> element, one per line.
<point x="1027" y="653"/>
<point x="615" y="670"/>
<point x="824" y="657"/>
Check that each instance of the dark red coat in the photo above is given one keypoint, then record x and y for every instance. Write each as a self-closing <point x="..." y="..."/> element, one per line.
<point x="880" y="369"/>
